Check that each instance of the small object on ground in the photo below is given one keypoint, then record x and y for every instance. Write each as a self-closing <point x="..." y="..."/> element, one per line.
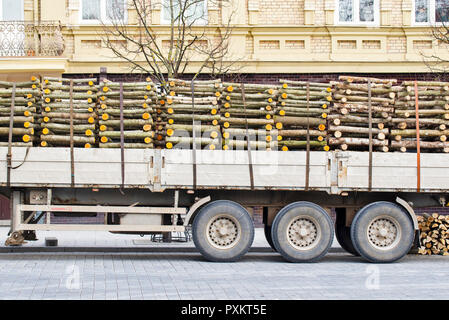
<point x="51" y="242"/>
<point x="15" y="239"/>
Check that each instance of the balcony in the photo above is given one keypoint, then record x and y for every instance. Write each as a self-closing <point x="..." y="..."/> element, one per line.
<point x="31" y="39"/>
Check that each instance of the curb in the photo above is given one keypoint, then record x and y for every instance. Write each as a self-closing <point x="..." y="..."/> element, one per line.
<point x="125" y="250"/>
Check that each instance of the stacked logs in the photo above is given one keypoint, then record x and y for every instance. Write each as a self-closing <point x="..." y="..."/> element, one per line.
<point x="67" y="101"/>
<point x="159" y="120"/>
<point x="301" y="115"/>
<point x="349" y="122"/>
<point x="252" y="107"/>
<point x="273" y="117"/>
<point x="433" y="102"/>
<point x="434" y="235"/>
<point x="193" y="115"/>
<point x="134" y="119"/>
<point x="26" y="105"/>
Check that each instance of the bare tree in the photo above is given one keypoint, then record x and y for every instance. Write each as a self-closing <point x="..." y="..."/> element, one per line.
<point x="440" y="32"/>
<point x="165" y="56"/>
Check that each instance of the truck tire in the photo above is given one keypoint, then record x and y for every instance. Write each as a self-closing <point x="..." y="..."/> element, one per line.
<point x="302" y="232"/>
<point x="223" y="231"/>
<point x="268" y="237"/>
<point x="343" y="233"/>
<point x="382" y="232"/>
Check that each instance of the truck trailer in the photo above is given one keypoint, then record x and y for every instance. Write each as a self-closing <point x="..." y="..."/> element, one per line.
<point x="151" y="191"/>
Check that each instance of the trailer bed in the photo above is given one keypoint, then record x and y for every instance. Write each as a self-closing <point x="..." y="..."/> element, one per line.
<point x="159" y="170"/>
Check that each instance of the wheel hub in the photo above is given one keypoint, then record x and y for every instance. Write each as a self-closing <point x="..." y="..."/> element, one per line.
<point x="383" y="233"/>
<point x="223" y="232"/>
<point x="302" y="233"/>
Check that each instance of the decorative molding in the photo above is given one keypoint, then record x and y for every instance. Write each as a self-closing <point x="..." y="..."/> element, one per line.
<point x="309" y="12"/>
<point x="156" y="11"/>
<point x="253" y="12"/>
<point x="407" y="6"/>
<point x="329" y="8"/>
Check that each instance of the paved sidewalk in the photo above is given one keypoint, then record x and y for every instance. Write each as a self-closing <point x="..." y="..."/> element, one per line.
<point x="184" y="276"/>
<point x="99" y="241"/>
<point x="180" y="275"/>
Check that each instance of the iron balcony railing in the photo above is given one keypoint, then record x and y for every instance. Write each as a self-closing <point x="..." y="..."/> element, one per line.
<point x="29" y="39"/>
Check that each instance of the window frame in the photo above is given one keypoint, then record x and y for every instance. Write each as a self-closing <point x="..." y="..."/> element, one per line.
<point x="103" y="16"/>
<point x="356" y="15"/>
<point x="432" y="15"/>
<point x="199" y="22"/>
<point x="22" y="17"/>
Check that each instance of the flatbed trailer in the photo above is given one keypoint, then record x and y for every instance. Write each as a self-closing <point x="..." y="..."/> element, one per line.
<point x="150" y="191"/>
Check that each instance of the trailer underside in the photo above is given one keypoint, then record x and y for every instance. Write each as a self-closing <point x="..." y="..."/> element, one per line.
<point x="162" y="191"/>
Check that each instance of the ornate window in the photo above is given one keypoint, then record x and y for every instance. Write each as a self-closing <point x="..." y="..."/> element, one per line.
<point x="357" y="12"/>
<point x="96" y="11"/>
<point x="11" y="10"/>
<point x="13" y="34"/>
<point x="431" y="12"/>
<point x="195" y="11"/>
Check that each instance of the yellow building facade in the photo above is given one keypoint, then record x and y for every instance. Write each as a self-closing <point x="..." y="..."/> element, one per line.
<point x="53" y="37"/>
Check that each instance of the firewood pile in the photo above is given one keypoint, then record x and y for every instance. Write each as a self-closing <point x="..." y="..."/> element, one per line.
<point x="349" y="121"/>
<point x="252" y="107"/>
<point x="434" y="235"/>
<point x="302" y="111"/>
<point x="62" y="104"/>
<point x="285" y="116"/>
<point x="26" y="108"/>
<point x="138" y="101"/>
<point x="193" y="115"/>
<point x="433" y="101"/>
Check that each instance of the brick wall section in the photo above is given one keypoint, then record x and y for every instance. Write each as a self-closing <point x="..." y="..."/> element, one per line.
<point x="439" y="210"/>
<point x="295" y="44"/>
<point x="249" y="45"/>
<point x="396" y="12"/>
<point x="274" y="77"/>
<point x="321" y="44"/>
<point x="99" y="218"/>
<point x="269" y="44"/>
<point x="371" y="44"/>
<point x="422" y="44"/>
<point x="281" y="12"/>
<point x="258" y="217"/>
<point x="397" y="45"/>
<point x="347" y="44"/>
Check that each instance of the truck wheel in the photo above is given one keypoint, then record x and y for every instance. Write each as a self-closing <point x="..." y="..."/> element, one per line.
<point x="302" y="232"/>
<point x="267" y="231"/>
<point x="382" y="232"/>
<point x="223" y="231"/>
<point x="343" y="233"/>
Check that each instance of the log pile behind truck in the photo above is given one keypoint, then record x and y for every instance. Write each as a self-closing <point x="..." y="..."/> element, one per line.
<point x="353" y="113"/>
<point x="434" y="234"/>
